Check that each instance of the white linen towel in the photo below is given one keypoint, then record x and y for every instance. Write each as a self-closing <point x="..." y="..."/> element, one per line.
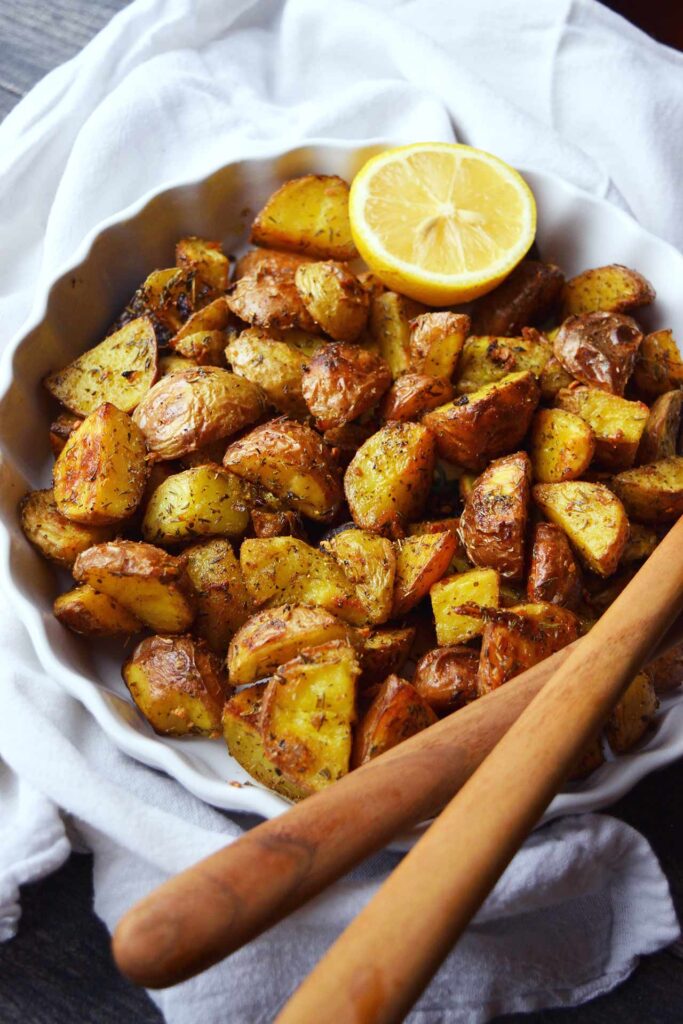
<point x="170" y="90"/>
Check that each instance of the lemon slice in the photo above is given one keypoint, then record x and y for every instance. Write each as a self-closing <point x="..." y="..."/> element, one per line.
<point x="440" y="222"/>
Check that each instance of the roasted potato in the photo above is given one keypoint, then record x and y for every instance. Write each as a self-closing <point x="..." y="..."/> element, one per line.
<point x="178" y="684"/>
<point x="269" y="259"/>
<point x="487" y="359"/>
<point x="309" y="707"/>
<point x="204" y="348"/>
<point x="334" y="297"/>
<point x="421" y="561"/>
<point x="436" y="341"/>
<point x="383" y="652"/>
<point x="659" y="366"/>
<point x="61" y="430"/>
<point x="660" y="437"/>
<point x="58" y="539"/>
<point x="553" y="378"/>
<point x="120" y="370"/>
<point x="493" y="523"/>
<point x="652" y="493"/>
<point x="666" y="671"/>
<point x="206" y="259"/>
<point x="146" y="580"/>
<point x="475" y="428"/>
<point x="173" y="364"/>
<point x="340" y="382"/>
<point x="369" y="562"/>
<point x="388" y="480"/>
<point x="293" y="462"/>
<point x="517" y="638"/>
<point x="562" y="445"/>
<point x="414" y="394"/>
<point x="83" y="610"/>
<point x="617" y="424"/>
<point x="459" y="560"/>
<point x="269" y="360"/>
<point x="633" y="715"/>
<point x="554" y="576"/>
<point x="267" y="296"/>
<point x="640" y="544"/>
<point x="345" y="441"/>
<point x="221" y="597"/>
<point x="277" y="524"/>
<point x="390" y="318"/>
<point x="526" y="297"/>
<point x="168" y="297"/>
<point x="592" y="517"/>
<point x="599" y="349"/>
<point x="308" y="215"/>
<point x="209" y="319"/>
<point x="205" y="501"/>
<point x="192" y="408"/>
<point x="475" y="587"/>
<point x="447" y="678"/>
<point x="396" y="713"/>
<point x="612" y="289"/>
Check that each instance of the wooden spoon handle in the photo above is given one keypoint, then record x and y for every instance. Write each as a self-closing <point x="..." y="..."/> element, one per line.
<point x="379" y="966"/>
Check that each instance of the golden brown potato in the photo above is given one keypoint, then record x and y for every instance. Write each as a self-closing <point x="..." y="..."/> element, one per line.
<point x="592" y="517"/>
<point x="189" y="409"/>
<point x="178" y="685"/>
<point x="146" y="580"/>
<point x="396" y="713"/>
<point x="553" y="378"/>
<point x="277" y="524"/>
<point x="383" y="652"/>
<point x="208" y="320"/>
<point x="526" y="297"/>
<point x="599" y="349"/>
<point x="168" y="297"/>
<point x="612" y="289"/>
<point x="436" y="341"/>
<point x="58" y="539"/>
<point x="84" y="611"/>
<point x="61" y="430"/>
<point x="459" y="560"/>
<point x="633" y="715"/>
<point x="390" y="318"/>
<point x="308" y="215"/>
<point x="206" y="258"/>
<point x="341" y="382"/>
<point x="652" y="493"/>
<point x="447" y="678"/>
<point x="659" y="367"/>
<point x="206" y="501"/>
<point x="562" y="445"/>
<point x="173" y="364"/>
<point x="421" y="561"/>
<point x="479" y="587"/>
<point x="414" y="394"/>
<point x="640" y="544"/>
<point x="369" y="562"/>
<point x="660" y="437"/>
<point x="666" y="671"/>
<point x="120" y="370"/>
<point x="204" y="348"/>
<point x="487" y="359"/>
<point x="293" y="462"/>
<point x="267" y="296"/>
<point x="518" y="638"/>
<point x="493" y="523"/>
<point x="100" y="475"/>
<point x="388" y="480"/>
<point x="284" y="570"/>
<point x="554" y="577"/>
<point x="220" y="594"/>
<point x="475" y="428"/>
<point x="617" y="424"/>
<point x="308" y="710"/>
<point x="269" y="259"/>
<point x="345" y="441"/>
<point x="334" y="297"/>
<point x="276" y="635"/>
<point x="269" y="360"/>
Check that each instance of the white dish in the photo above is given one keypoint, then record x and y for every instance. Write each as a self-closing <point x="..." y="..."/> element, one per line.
<point x="574" y="229"/>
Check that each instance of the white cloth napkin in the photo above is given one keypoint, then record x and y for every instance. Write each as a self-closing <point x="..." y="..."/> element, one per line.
<point x="172" y="89"/>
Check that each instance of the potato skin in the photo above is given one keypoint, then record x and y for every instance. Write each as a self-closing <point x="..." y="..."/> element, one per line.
<point x="382" y="653"/>
<point x="84" y="611"/>
<point x="56" y="538"/>
<point x="436" y="341"/>
<point x="519" y="637"/>
<point x="652" y="493"/>
<point x="414" y="394"/>
<point x="334" y="297"/>
<point x="611" y="289"/>
<point x="526" y="297"/>
<point x="220" y="594"/>
<point x="168" y="297"/>
<point x="659" y="367"/>
<point x="203" y="501"/>
<point x="275" y="365"/>
<point x="493" y="523"/>
<point x="562" y="445"/>
<point x="308" y="215"/>
<point x="447" y="677"/>
<point x="267" y="297"/>
<point x="554" y="576"/>
<point x="599" y="349"/>
<point x="660" y="437"/>
<point x="340" y="382"/>
<point x="61" y="430"/>
<point x="277" y="524"/>
<point x="593" y="518"/>
<point x="396" y="713"/>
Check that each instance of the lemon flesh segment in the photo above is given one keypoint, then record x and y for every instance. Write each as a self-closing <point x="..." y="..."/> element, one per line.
<point x="441" y="222"/>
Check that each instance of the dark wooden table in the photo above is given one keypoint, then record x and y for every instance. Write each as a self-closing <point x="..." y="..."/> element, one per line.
<point x="58" y="969"/>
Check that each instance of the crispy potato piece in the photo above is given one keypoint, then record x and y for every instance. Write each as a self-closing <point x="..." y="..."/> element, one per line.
<point x="519" y="637"/>
<point x="100" y="475"/>
<point x="173" y="364"/>
<point x="476" y="587"/>
<point x="396" y="713"/>
<point x="221" y="596"/>
<point x="459" y="560"/>
<point x="369" y="562"/>
<point x="493" y="523"/>
<point x="652" y="493"/>
<point x="204" y="348"/>
<point x="414" y="394"/>
<point x="308" y="710"/>
<point x="341" y="382"/>
<point x="273" y="364"/>
<point x="475" y="428"/>
<point x="612" y="289"/>
<point x="633" y="715"/>
<point x="666" y="671"/>
<point x="554" y="576"/>
<point x="526" y="297"/>
<point x="640" y="544"/>
<point x="383" y="652"/>
<point x="293" y="462"/>
<point x="388" y="480"/>
<point x="592" y="517"/>
<point x="120" y="370"/>
<point x="206" y="258"/>
<point x="277" y="524"/>
<point x="390" y="318"/>
<point x="84" y="611"/>
<point x="285" y="570"/>
<point x="421" y="561"/>
<point x="146" y="580"/>
<point x="436" y="341"/>
<point x="168" y="297"/>
<point x="308" y="215"/>
<point x="242" y="732"/>
<point x="271" y="260"/>
<point x="334" y="297"/>
<point x="208" y="319"/>
<point x="206" y="501"/>
<point x="553" y="378"/>
<point x="189" y="409"/>
<point x="488" y="359"/>
<point x="267" y="297"/>
<point x="599" y="349"/>
<point x="61" y="430"/>
<point x="447" y="678"/>
<point x="56" y="538"/>
<point x="562" y="445"/>
<point x="659" y="367"/>
<point x="178" y="684"/>
<point x="617" y="424"/>
<point x="660" y="437"/>
<point x="276" y="635"/>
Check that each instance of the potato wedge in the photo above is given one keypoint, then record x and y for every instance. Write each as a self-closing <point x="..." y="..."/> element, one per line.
<point x="518" y="638"/>
<point x="476" y="587"/>
<point x="659" y="366"/>
<point x="617" y="424"/>
<point x="436" y="341"/>
<point x="308" y="710"/>
<point x="414" y="394"/>
<point x="553" y="378"/>
<point x="221" y="597"/>
<point x="383" y="652"/>
<point x="487" y="359"/>
<point x="277" y="524"/>
<point x="459" y="560"/>
<point x="652" y="493"/>
<point x="612" y="289"/>
<point x="659" y="440"/>
<point x="390" y="318"/>
<point x="209" y="319"/>
<point x="293" y="462"/>
<point x="192" y="408"/>
<point x="204" y="348"/>
<point x="270" y="361"/>
<point x="56" y="538"/>
<point x="178" y="685"/>
<point x="334" y="297"/>
<point x="341" y="382"/>
<point x="447" y="678"/>
<point x="308" y="215"/>
<point x="84" y="611"/>
<point x="526" y="297"/>
<point x="206" y="501"/>
<point x="100" y="475"/>
<point x="475" y="428"/>
<point x="369" y="562"/>
<point x="421" y="561"/>
<point x="146" y="580"/>
<point x="205" y="258"/>
<point x="599" y="349"/>
<point x="633" y="715"/>
<point x="494" y="521"/>
<point x="388" y="480"/>
<point x="396" y="713"/>
<point x="168" y="297"/>
<point x="61" y="430"/>
<point x="593" y="518"/>
<point x="666" y="671"/>
<point x="554" y="576"/>
<point x="120" y="370"/>
<point x="562" y="445"/>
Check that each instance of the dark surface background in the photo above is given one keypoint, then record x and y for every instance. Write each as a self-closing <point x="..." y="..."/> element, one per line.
<point x="58" y="969"/>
